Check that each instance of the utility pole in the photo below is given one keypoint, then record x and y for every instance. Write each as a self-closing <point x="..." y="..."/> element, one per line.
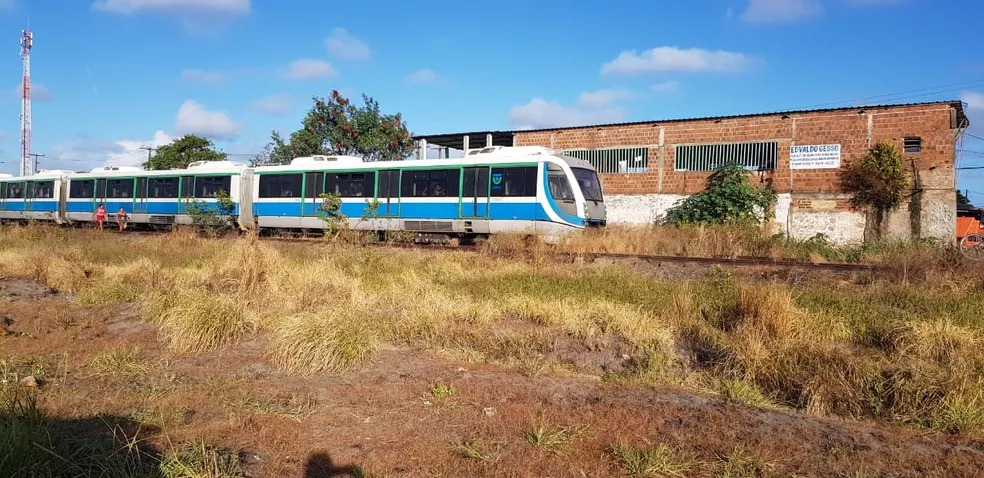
<point x="36" y="156"/>
<point x="149" y="151"/>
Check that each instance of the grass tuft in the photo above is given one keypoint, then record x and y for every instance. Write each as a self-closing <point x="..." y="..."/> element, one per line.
<point x="199" y="460"/>
<point x="326" y="342"/>
<point x="118" y="362"/>
<point x="661" y="461"/>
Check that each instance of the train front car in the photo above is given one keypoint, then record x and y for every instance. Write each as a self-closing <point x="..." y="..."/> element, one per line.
<point x="38" y="197"/>
<point x="584" y="180"/>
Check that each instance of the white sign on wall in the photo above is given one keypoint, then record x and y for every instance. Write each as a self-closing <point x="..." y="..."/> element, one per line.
<point x="815" y="156"/>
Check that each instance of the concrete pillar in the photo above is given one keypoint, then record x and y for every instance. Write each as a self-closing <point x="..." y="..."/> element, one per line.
<point x="488" y="140"/>
<point x="660" y="159"/>
<point x="422" y="154"/>
<point x="464" y="144"/>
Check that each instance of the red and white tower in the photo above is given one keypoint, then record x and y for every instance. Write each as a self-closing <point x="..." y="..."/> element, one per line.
<point x="27" y="165"/>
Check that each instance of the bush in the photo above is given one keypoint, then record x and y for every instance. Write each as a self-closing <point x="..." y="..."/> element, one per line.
<point x="729" y="198"/>
<point x="212" y="220"/>
<point x="878" y="181"/>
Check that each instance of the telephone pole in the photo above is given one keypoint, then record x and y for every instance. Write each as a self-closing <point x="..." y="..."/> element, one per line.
<point x="149" y="151"/>
<point x="36" y="156"/>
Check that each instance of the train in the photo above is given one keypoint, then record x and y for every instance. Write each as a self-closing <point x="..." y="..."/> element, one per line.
<point x="493" y="190"/>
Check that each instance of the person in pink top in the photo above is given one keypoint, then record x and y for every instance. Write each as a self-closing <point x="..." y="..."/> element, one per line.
<point x="100" y="216"/>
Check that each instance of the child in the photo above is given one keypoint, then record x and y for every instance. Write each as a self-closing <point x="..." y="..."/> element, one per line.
<point x="122" y="218"/>
<point x="100" y="216"/>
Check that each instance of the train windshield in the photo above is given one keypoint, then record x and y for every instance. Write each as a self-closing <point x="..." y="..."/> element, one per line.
<point x="588" y="182"/>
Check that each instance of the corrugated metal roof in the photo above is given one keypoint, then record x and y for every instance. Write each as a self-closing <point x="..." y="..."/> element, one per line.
<point x="499" y="133"/>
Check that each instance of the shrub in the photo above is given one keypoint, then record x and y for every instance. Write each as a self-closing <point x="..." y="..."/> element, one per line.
<point x="878" y="181"/>
<point x="729" y="198"/>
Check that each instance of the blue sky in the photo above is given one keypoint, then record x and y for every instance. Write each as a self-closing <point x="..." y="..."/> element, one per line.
<point x="113" y="75"/>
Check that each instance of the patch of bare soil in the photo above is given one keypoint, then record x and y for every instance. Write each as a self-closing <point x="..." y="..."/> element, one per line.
<point x="15" y="289"/>
<point x="385" y="417"/>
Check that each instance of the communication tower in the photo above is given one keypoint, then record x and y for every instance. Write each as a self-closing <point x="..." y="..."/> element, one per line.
<point x="26" y="164"/>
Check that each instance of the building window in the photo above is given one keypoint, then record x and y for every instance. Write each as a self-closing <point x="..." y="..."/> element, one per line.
<point x="708" y="157"/>
<point x="614" y="160"/>
<point x="912" y="144"/>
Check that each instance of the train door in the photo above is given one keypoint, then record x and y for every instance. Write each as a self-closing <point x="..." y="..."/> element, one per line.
<point x="3" y="196"/>
<point x="389" y="193"/>
<point x="475" y="192"/>
<point x="186" y="193"/>
<point x="99" y="197"/>
<point x="314" y="186"/>
<point x="29" y="196"/>
<point x="140" y="197"/>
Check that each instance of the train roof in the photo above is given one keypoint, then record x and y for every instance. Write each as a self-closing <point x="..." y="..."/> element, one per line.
<point x="196" y="167"/>
<point x="490" y="155"/>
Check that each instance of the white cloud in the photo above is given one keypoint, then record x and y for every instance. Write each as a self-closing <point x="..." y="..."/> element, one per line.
<point x="665" y="87"/>
<point x="671" y="58"/>
<point x="974" y="99"/>
<point x="86" y="153"/>
<point x="228" y="7"/>
<point x="274" y="105"/>
<point x="781" y="11"/>
<point x="423" y="76"/>
<point x="130" y="154"/>
<point x="205" y="77"/>
<point x="310" y="69"/>
<point x="602" y="98"/>
<point x="193" y="118"/>
<point x="539" y="113"/>
<point x="343" y="45"/>
<point x="38" y="92"/>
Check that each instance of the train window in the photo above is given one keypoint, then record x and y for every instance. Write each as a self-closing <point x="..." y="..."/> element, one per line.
<point x="314" y="184"/>
<point x="81" y="189"/>
<point x="513" y="182"/>
<point x="352" y="184"/>
<point x="587" y="180"/>
<point x="280" y="185"/>
<point x="100" y="188"/>
<point x="209" y="186"/>
<point x="163" y="188"/>
<point x="560" y="187"/>
<point x="430" y="183"/>
<point x="43" y="190"/>
<point x="15" y="190"/>
<point x="119" y="188"/>
<point x="3" y="190"/>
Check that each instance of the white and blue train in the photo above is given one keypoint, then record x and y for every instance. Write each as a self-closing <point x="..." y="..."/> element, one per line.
<point x="530" y="190"/>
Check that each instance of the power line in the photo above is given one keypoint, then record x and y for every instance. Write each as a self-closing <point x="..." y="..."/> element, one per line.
<point x="906" y="94"/>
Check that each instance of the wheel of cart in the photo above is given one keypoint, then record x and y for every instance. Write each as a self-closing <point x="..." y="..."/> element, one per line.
<point x="972" y="246"/>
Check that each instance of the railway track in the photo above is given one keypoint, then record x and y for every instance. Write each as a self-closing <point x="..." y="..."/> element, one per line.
<point x="594" y="256"/>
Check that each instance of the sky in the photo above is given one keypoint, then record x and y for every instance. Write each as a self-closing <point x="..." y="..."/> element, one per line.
<point x="112" y="76"/>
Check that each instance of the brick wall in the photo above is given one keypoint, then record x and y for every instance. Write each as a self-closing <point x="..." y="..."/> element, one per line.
<point x="853" y="131"/>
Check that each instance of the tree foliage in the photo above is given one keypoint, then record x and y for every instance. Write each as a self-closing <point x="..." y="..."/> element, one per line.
<point x="729" y="198"/>
<point x="878" y="181"/>
<point x="335" y="126"/>
<point x="963" y="200"/>
<point x="182" y="152"/>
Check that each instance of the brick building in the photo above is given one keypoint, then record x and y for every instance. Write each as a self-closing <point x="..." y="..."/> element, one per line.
<point x="646" y="167"/>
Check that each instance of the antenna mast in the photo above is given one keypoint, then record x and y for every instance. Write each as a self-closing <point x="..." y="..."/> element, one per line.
<point x="27" y="163"/>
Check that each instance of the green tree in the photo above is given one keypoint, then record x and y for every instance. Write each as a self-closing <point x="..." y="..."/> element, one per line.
<point x="729" y="198"/>
<point x="182" y="152"/>
<point x="335" y="126"/>
<point x="963" y="200"/>
<point x="878" y="182"/>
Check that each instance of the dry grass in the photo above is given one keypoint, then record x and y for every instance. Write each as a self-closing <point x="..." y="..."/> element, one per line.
<point x="905" y="351"/>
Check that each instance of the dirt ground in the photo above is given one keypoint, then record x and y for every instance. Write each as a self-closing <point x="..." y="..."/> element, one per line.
<point x="384" y="419"/>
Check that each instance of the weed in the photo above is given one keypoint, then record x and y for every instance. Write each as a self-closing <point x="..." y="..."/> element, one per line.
<point x="480" y="450"/>
<point x="554" y="439"/>
<point x="442" y="390"/>
<point x="741" y="463"/>
<point x="661" y="461"/>
<point x="295" y="409"/>
<point x="199" y="460"/>
<point x="327" y="342"/>
<point x="118" y="362"/>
